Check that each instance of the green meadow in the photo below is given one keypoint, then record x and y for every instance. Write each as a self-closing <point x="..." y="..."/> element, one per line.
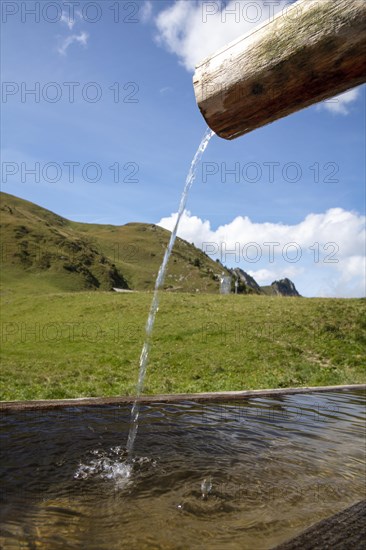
<point x="73" y="344"/>
<point x="64" y="334"/>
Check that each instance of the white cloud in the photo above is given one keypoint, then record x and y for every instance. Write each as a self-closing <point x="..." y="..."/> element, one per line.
<point x="67" y="20"/>
<point x="352" y="277"/>
<point x="70" y="19"/>
<point x="325" y="251"/>
<point x="81" y="38"/>
<point x="166" y="90"/>
<point x="146" y="11"/>
<point x="194" y="29"/>
<point x="263" y="276"/>
<point x="339" y="104"/>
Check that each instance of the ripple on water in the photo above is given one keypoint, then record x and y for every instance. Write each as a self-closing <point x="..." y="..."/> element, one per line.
<point x="242" y="475"/>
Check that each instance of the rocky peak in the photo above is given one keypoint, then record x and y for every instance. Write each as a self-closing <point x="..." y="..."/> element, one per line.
<point x="247" y="280"/>
<point x="284" y="287"/>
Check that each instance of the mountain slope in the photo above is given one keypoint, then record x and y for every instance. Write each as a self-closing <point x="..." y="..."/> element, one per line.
<point x="45" y="246"/>
<point x="283" y="287"/>
<point x="42" y="249"/>
<point x="137" y="249"/>
<point x="247" y="285"/>
<point x="246" y="282"/>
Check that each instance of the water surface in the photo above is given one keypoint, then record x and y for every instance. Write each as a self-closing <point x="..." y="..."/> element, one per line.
<point x="277" y="465"/>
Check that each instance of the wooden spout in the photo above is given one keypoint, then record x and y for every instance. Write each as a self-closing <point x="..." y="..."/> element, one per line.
<point x="312" y="51"/>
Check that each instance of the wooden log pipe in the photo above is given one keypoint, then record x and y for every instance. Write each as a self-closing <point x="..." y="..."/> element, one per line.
<point x="312" y="51"/>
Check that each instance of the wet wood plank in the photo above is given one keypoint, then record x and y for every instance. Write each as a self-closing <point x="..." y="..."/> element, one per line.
<point x="343" y="531"/>
<point x="170" y="398"/>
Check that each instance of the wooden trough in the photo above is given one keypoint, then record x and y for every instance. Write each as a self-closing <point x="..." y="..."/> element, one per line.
<point x="49" y="404"/>
<point x="312" y="51"/>
<point x="346" y="529"/>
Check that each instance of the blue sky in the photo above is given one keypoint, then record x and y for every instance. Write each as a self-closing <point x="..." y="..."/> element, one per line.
<point x="119" y="150"/>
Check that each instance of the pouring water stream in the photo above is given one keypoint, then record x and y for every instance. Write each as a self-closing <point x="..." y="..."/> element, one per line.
<point x="144" y="357"/>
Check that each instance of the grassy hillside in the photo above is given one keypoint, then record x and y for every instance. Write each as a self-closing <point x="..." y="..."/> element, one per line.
<point x="88" y="343"/>
<point x="59" y="339"/>
<point x="137" y="249"/>
<point x="41" y="250"/>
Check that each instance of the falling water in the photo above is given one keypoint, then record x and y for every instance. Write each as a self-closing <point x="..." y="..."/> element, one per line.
<point x="144" y="357"/>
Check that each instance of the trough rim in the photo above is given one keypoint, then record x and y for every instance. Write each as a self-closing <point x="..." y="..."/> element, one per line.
<point x="168" y="398"/>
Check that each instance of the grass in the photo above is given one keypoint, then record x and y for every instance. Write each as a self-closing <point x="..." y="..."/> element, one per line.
<point x="63" y="345"/>
<point x="60" y="340"/>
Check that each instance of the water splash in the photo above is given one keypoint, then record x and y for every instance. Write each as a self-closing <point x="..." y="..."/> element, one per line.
<point x="111" y="464"/>
<point x="144" y="357"/>
<point x="106" y="465"/>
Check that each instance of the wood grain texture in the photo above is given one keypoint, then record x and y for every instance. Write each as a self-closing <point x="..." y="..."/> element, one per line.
<point x="345" y="530"/>
<point x="314" y="50"/>
<point x="11" y="406"/>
